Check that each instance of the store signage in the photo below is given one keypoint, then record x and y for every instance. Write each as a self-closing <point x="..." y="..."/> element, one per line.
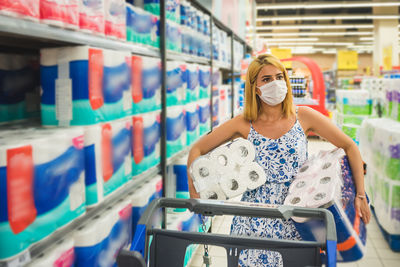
<point x="387" y="57"/>
<point x="347" y="60"/>
<point x="283" y="53"/>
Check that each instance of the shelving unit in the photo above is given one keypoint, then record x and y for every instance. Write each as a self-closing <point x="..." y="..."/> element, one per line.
<point x="30" y="36"/>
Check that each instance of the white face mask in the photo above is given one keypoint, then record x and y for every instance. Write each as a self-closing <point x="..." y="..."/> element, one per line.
<point x="273" y="93"/>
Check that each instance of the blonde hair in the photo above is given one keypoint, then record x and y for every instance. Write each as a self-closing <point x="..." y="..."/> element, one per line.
<point x="252" y="104"/>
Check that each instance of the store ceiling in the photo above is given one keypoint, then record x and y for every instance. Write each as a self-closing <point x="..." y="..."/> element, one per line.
<point x="320" y="26"/>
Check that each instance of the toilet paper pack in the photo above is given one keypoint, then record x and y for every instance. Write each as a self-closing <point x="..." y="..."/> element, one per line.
<point x="43" y="184"/>
<point x="173" y="36"/>
<point x="205" y="82"/>
<point x="176" y="130"/>
<point x="61" y="13"/>
<point x="353" y="102"/>
<point x="99" y="241"/>
<point x="61" y="254"/>
<point x="19" y="87"/>
<point x="142" y="27"/>
<point x="146" y="84"/>
<point x="176" y="83"/>
<point x="204" y="116"/>
<point x="115" y="16"/>
<point x="227" y="171"/>
<point x="116" y="154"/>
<point x="172" y="9"/>
<point x="146" y="137"/>
<point x="192" y="81"/>
<point x="326" y="181"/>
<point x="92" y="16"/>
<point x="192" y="123"/>
<point x="83" y="85"/>
<point x="26" y="9"/>
<point x="180" y="173"/>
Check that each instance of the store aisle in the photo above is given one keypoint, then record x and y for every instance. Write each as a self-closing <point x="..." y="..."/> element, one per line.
<point x="378" y="253"/>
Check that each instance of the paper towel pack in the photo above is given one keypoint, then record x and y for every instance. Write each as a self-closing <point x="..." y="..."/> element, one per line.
<point x="19" y="87"/>
<point x="116" y="154"/>
<point x="227" y="171"/>
<point x="142" y="27"/>
<point x="204" y="116"/>
<point x="25" y="9"/>
<point x="92" y="16"/>
<point x="192" y="123"/>
<point x="83" y="85"/>
<point x="115" y="16"/>
<point x="325" y="181"/>
<point x="43" y="185"/>
<point x="99" y="241"/>
<point x="146" y="84"/>
<point x="176" y="130"/>
<point x="61" y="13"/>
<point x="146" y="137"/>
<point x="61" y="254"/>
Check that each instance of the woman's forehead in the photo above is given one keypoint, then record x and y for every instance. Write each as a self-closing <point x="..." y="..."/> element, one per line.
<point x="270" y="70"/>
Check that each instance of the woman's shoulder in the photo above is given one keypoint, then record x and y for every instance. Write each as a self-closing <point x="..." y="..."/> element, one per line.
<point x="241" y="125"/>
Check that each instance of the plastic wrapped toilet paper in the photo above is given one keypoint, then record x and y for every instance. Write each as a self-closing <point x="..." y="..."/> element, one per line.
<point x="173" y="36"/>
<point x="61" y="254"/>
<point x="116" y="154"/>
<point x="92" y="16"/>
<point x="146" y="137"/>
<point x="253" y="175"/>
<point x="352" y="130"/>
<point x="180" y="175"/>
<point x="326" y="181"/>
<point x="84" y="86"/>
<point x="61" y="13"/>
<point x="204" y="171"/>
<point x="146" y="84"/>
<point x="172" y="9"/>
<point x="192" y="123"/>
<point x="176" y="73"/>
<point x="115" y="16"/>
<point x="223" y="158"/>
<point x="19" y="87"/>
<point x="142" y="26"/>
<point x="353" y="102"/>
<point x="26" y="9"/>
<point x="99" y="241"/>
<point x="192" y="80"/>
<point x="213" y="192"/>
<point x="205" y="82"/>
<point x="243" y="151"/>
<point x="204" y="116"/>
<point x="43" y="180"/>
<point x="176" y="130"/>
<point x="233" y="185"/>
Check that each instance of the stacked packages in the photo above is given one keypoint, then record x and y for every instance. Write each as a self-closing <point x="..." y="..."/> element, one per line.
<point x="353" y="106"/>
<point x="380" y="147"/>
<point x="227" y="171"/>
<point x="326" y="181"/>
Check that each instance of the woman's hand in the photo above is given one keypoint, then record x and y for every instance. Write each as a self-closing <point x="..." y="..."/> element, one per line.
<point x="362" y="209"/>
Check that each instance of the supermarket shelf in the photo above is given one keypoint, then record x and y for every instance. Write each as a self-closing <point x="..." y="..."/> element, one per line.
<point x="68" y="230"/>
<point x="172" y="55"/>
<point x="221" y="65"/>
<point x="23" y="33"/>
<point x="305" y="101"/>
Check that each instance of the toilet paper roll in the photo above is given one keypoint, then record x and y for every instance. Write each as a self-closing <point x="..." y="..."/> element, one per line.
<point x="300" y="185"/>
<point x="320" y="199"/>
<point x="61" y="254"/>
<point x="252" y="175"/>
<point x="203" y="168"/>
<point x="242" y="151"/>
<point x="223" y="159"/>
<point x="233" y="185"/>
<point x="215" y="192"/>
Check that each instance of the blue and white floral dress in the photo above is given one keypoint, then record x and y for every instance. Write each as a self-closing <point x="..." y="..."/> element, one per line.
<point x="281" y="159"/>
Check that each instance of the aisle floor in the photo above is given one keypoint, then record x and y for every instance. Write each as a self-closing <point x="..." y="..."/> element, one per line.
<point x="378" y="253"/>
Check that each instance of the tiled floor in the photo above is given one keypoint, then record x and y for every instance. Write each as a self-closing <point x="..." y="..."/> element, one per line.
<point x="378" y="253"/>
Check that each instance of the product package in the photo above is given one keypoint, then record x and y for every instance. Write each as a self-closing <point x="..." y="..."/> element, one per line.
<point x="42" y="180"/>
<point x="83" y="85"/>
<point x="115" y="19"/>
<point x="204" y="116"/>
<point x="173" y="36"/>
<point x="92" y="16"/>
<point x="205" y="82"/>
<point x="192" y="123"/>
<point x="176" y="130"/>
<point x="353" y="102"/>
<point x="61" y="13"/>
<point x="19" y="87"/>
<point x="192" y="81"/>
<point x="142" y="27"/>
<point x="26" y="9"/>
<point x="61" y="254"/>
<point x="176" y="83"/>
<point x="172" y="8"/>
<point x="227" y="171"/>
<point x="146" y="137"/>
<point x="326" y="181"/>
<point x="146" y="84"/>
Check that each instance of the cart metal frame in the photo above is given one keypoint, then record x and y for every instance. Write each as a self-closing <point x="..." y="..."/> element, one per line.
<point x="168" y="247"/>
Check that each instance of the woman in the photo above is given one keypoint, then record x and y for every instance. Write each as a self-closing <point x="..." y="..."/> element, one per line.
<point x="278" y="131"/>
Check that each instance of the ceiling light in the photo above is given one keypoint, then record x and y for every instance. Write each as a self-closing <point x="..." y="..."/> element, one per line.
<point x="324" y="5"/>
<point x="289" y="34"/>
<point x="328" y="17"/>
<point x="289" y="39"/>
<point x="322" y="27"/>
<point x="303" y="43"/>
<point x="366" y="38"/>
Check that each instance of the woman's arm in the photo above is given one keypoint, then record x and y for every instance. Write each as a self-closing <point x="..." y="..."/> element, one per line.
<point x="231" y="129"/>
<point x="315" y="121"/>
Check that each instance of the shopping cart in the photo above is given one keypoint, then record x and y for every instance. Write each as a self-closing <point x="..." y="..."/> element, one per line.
<point x="168" y="247"/>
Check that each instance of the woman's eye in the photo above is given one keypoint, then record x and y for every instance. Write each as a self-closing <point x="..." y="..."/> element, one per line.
<point x="280" y="77"/>
<point x="266" y="80"/>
